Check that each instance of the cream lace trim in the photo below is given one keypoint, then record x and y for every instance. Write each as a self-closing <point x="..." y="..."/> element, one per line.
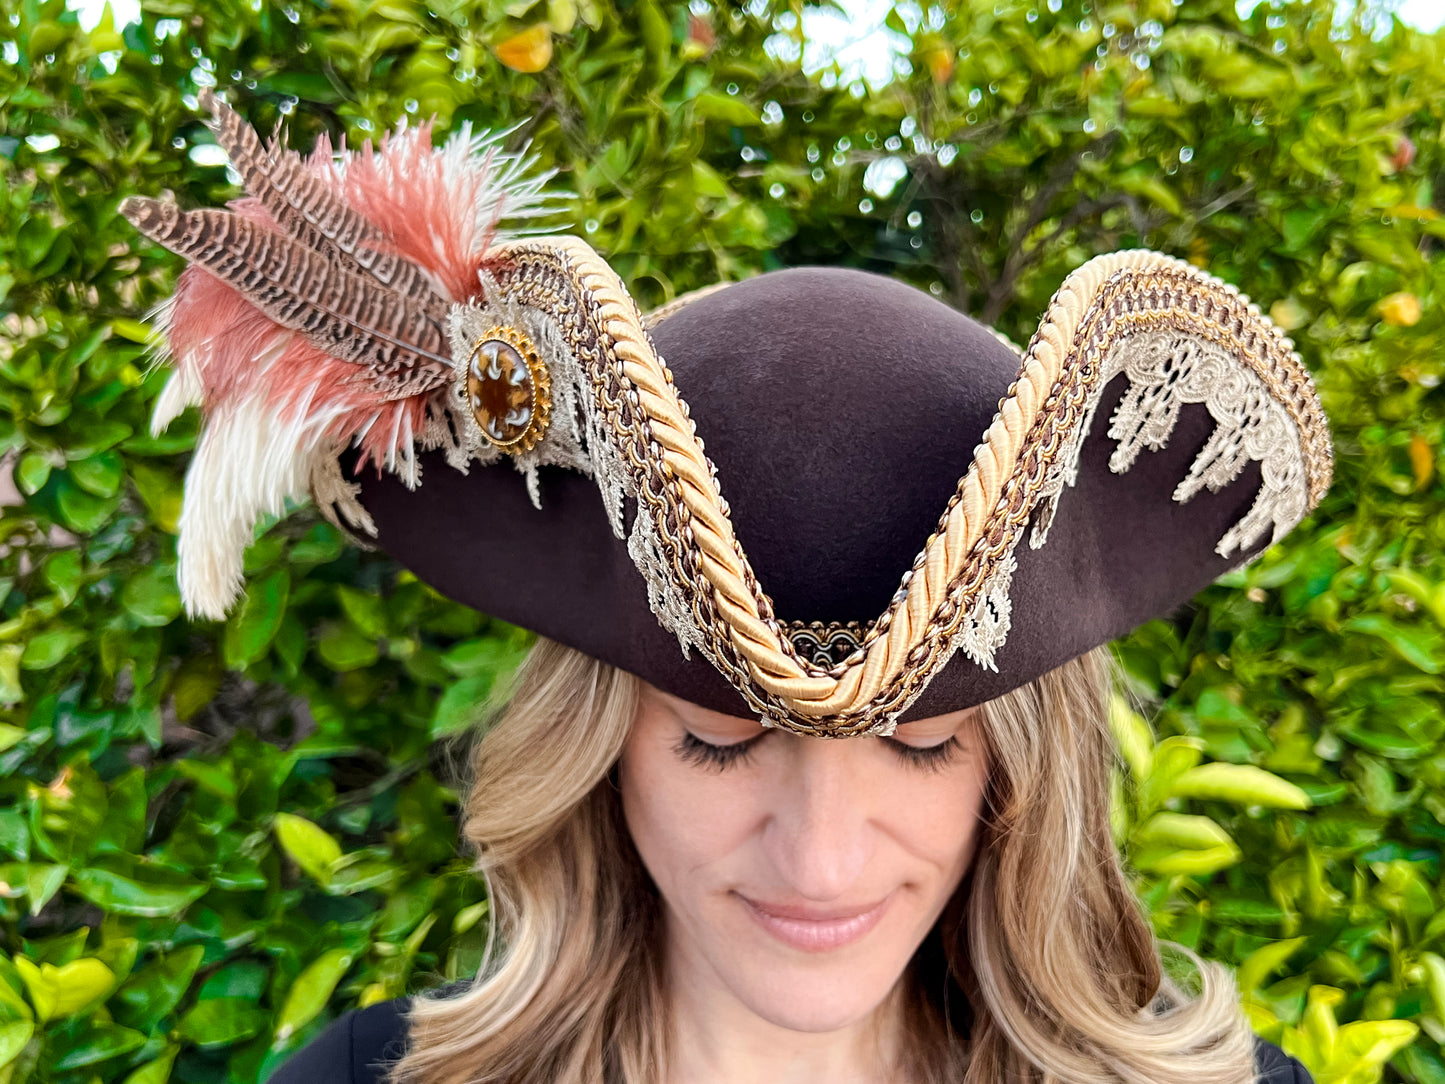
<point x="577" y="439"/>
<point x="664" y="596"/>
<point x="1166" y="370"/>
<point x="573" y="440"/>
<point x="984" y="631"/>
<point x="980" y="635"/>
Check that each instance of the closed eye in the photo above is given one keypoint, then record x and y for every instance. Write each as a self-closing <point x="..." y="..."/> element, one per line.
<point x="705" y="754"/>
<point x="931" y="757"/>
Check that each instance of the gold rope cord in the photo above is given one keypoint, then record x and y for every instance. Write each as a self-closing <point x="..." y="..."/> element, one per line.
<point x="1106" y="300"/>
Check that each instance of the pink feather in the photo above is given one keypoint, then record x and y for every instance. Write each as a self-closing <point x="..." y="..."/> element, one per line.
<point x="429" y="212"/>
<point x="425" y="209"/>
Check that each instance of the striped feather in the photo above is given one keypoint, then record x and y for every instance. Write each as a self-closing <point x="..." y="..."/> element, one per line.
<point x="306" y="208"/>
<point x="338" y="311"/>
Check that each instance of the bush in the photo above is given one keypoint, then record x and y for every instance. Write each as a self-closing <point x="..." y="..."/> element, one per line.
<point x="216" y="837"/>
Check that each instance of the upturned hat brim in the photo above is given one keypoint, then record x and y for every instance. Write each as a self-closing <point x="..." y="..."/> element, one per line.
<point x="841" y="410"/>
<point x="818" y="496"/>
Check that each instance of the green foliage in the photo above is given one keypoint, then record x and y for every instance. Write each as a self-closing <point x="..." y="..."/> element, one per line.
<point x="217" y="836"/>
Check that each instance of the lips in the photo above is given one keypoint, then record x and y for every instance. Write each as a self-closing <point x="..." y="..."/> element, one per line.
<point x="816" y="929"/>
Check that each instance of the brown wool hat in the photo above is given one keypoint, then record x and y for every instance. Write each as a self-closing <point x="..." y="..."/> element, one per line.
<point x="837" y="504"/>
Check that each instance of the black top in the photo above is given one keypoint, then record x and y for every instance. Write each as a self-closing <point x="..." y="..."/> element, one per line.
<point x="358" y="1048"/>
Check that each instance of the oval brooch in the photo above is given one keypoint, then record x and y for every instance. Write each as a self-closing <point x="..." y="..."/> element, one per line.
<point x="509" y="391"/>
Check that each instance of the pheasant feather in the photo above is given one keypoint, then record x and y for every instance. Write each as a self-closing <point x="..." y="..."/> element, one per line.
<point x="312" y="316"/>
<point x="401" y="343"/>
<point x="305" y="207"/>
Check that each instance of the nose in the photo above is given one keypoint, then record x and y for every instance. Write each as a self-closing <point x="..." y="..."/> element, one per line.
<point x="818" y="833"/>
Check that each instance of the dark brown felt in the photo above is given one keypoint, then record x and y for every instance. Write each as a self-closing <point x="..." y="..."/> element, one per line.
<point x="841" y="409"/>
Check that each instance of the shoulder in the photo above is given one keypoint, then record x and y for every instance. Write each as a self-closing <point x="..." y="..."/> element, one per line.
<point x="357" y="1049"/>
<point x="1274" y="1066"/>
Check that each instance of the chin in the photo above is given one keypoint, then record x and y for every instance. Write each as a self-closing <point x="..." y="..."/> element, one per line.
<point x="815" y="991"/>
<point x="815" y="998"/>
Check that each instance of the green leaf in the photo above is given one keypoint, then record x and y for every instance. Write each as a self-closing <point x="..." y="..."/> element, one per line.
<point x="13" y="1037"/>
<point x="10" y="736"/>
<point x="33" y="241"/>
<point x="710" y="105"/>
<point x="153" y="992"/>
<point x="1235" y="909"/>
<point x="1434" y="978"/>
<point x="42" y="882"/>
<point x="310" y="846"/>
<point x="461" y="705"/>
<point x="1152" y="188"/>
<point x="355" y="874"/>
<point x="1183" y="830"/>
<point x="157" y="1071"/>
<point x="11" y="690"/>
<point x="1421" y="647"/>
<point x="122" y="895"/>
<point x="95" y="435"/>
<point x="250" y="632"/>
<point x="1363" y="1047"/>
<point x="311" y="991"/>
<point x="1132" y="736"/>
<point x="246" y="979"/>
<point x="366" y="610"/>
<point x="488" y="656"/>
<point x="63" y="572"/>
<point x="58" y="992"/>
<point x="656" y="33"/>
<point x="707" y="182"/>
<point x="31" y="472"/>
<point x="195" y="685"/>
<point x="100" y="474"/>
<point x="151" y="596"/>
<point x="82" y="512"/>
<point x="160" y="492"/>
<point x="97" y="1042"/>
<point x="133" y="330"/>
<point x="222" y="1021"/>
<point x="1265" y="961"/>
<point x="1242" y="784"/>
<point x="343" y="648"/>
<point x="219" y="779"/>
<point x="1169" y="861"/>
<point x="46" y="650"/>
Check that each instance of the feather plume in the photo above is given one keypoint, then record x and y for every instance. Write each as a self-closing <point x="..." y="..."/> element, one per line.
<point x="307" y="209"/>
<point x="312" y="317"/>
<point x="339" y="312"/>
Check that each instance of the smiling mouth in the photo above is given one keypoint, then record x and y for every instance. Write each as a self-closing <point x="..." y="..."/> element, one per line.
<point x="816" y="929"/>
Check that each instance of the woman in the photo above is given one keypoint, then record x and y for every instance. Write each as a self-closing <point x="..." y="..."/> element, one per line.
<point x="688" y="885"/>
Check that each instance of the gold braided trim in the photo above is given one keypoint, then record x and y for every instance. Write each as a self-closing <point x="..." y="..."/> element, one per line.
<point x="1102" y="303"/>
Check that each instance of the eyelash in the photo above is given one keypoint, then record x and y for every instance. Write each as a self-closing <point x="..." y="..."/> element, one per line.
<point x="705" y="754"/>
<point x="931" y="758"/>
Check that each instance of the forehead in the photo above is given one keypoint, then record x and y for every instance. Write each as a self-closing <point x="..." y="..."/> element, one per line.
<point x="686" y="712"/>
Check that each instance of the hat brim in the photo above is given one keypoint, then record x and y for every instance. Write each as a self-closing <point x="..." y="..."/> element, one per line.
<point x="834" y="409"/>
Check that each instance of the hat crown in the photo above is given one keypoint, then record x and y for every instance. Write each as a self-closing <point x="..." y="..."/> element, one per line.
<point x="840" y="407"/>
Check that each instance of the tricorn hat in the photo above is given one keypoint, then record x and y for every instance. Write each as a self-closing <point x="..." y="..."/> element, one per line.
<point x="818" y="496"/>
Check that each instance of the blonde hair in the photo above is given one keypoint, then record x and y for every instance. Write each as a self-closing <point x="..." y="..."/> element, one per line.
<point x="1042" y="969"/>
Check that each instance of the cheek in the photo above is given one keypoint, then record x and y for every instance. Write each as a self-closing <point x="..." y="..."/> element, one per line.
<point x="935" y="815"/>
<point x="685" y="823"/>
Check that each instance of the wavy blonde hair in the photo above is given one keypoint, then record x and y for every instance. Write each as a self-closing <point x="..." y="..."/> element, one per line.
<point x="1042" y="969"/>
